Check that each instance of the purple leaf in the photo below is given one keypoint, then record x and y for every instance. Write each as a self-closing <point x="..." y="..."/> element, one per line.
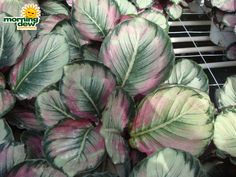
<point x="7" y="102"/>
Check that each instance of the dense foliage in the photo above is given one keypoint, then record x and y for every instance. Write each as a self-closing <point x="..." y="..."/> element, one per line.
<point x="96" y="92"/>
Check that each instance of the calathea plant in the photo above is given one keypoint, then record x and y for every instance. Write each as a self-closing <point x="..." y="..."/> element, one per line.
<point x="95" y="94"/>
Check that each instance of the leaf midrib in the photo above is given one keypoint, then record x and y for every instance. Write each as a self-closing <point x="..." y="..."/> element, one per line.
<point x="131" y="64"/>
<point x="134" y="135"/>
<point x="31" y="70"/>
<point x="2" y="41"/>
<point x="96" y="24"/>
<point x="83" y="141"/>
<point x="62" y="111"/>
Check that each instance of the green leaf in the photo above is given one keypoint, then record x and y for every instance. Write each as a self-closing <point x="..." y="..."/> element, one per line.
<point x="189" y="73"/>
<point x="225" y="130"/>
<point x="174" y="11"/>
<point x="90" y="52"/>
<point x="156" y="17"/>
<point x="114" y="120"/>
<point x="176" y="1"/>
<point x="95" y="18"/>
<point x="50" y="109"/>
<point x="11" y="45"/>
<point x="35" y="168"/>
<point x="6" y="135"/>
<point x="86" y="94"/>
<point x="7" y="102"/>
<point x="130" y="51"/>
<point x="173" y="116"/>
<point x="73" y="37"/>
<point x="226" y="96"/>
<point x="43" y="57"/>
<point x="10" y="156"/>
<point x="126" y="7"/>
<point x="143" y="4"/>
<point x="74" y="146"/>
<point x="53" y="7"/>
<point x="169" y="163"/>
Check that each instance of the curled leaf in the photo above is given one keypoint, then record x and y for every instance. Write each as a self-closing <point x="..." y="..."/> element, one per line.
<point x="174" y="11"/>
<point x="226" y="96"/>
<point x="126" y="7"/>
<point x="114" y="119"/>
<point x="142" y="4"/>
<point x="6" y="136"/>
<point x="52" y="7"/>
<point x="189" y="73"/>
<point x="7" y="102"/>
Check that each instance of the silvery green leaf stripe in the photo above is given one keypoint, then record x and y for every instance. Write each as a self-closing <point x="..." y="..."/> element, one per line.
<point x="6" y="135"/>
<point x="156" y="17"/>
<point x="169" y="163"/>
<point x="35" y="168"/>
<point x="189" y="73"/>
<point x="126" y="7"/>
<point x="142" y="4"/>
<point x="74" y="146"/>
<point x="115" y="118"/>
<point x="7" y="102"/>
<point x="130" y="51"/>
<point x="95" y="18"/>
<point x="173" y="116"/>
<point x="41" y="65"/>
<point x="11" y="45"/>
<point x="226" y="96"/>
<point x="176" y="1"/>
<point x="50" y="109"/>
<point x="174" y="11"/>
<point x="10" y="156"/>
<point x="225" y="130"/>
<point x="73" y="37"/>
<point x="53" y="7"/>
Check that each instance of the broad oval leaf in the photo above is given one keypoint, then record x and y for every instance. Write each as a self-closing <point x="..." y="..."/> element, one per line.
<point x="33" y="142"/>
<point x="95" y="18"/>
<point x="173" y="116"/>
<point x="226" y="96"/>
<point x="174" y="11"/>
<point x="142" y="4"/>
<point x="50" y="108"/>
<point x="35" y="168"/>
<point x="7" y="102"/>
<point x="53" y="7"/>
<point x="11" y="45"/>
<point x="156" y="17"/>
<point x="74" y="146"/>
<point x="86" y="94"/>
<point x="130" y="51"/>
<point x="10" y="156"/>
<point x="225" y="130"/>
<point x="6" y="135"/>
<point x="126" y="7"/>
<point x="24" y="118"/>
<point x="224" y="5"/>
<point x="189" y="73"/>
<point x="104" y="174"/>
<point x="114" y="119"/>
<point x="43" y="57"/>
<point x="171" y="163"/>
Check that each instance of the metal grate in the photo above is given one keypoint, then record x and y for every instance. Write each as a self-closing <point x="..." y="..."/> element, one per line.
<point x="190" y="38"/>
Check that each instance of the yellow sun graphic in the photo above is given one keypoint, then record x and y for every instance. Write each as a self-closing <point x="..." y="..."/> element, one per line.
<point x="30" y="11"/>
